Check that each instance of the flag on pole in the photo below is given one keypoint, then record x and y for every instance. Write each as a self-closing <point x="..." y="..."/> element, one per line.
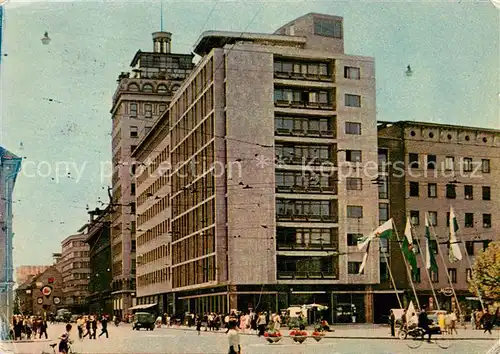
<point x="383" y="231"/>
<point x="454" y="247"/>
<point x="365" y="259"/>
<point x="408" y="247"/>
<point x="430" y="260"/>
<point x="410" y="311"/>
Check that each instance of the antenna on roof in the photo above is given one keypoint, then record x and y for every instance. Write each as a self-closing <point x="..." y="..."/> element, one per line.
<point x="161" y="15"/>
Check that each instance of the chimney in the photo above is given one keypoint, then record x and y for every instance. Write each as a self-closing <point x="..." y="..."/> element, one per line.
<point x="161" y="42"/>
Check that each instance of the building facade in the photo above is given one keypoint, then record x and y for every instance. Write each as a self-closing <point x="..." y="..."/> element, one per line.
<point x="98" y="235"/>
<point x="27" y="272"/>
<point x="431" y="167"/>
<point x="41" y="295"/>
<point x="10" y="166"/>
<point x="269" y="144"/>
<point x="140" y="98"/>
<point x="75" y="269"/>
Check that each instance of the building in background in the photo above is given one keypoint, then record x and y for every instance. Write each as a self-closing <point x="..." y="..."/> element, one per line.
<point x="140" y="98"/>
<point x="10" y="166"/>
<point x="245" y="226"/>
<point x="98" y="238"/>
<point x="27" y="272"/>
<point x="75" y="269"/>
<point x="428" y="168"/>
<point x="41" y="295"/>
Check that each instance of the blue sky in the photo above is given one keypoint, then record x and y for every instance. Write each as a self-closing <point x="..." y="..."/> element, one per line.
<point x="453" y="48"/>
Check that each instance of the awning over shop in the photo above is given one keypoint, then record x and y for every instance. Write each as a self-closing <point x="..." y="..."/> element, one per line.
<point x="143" y="306"/>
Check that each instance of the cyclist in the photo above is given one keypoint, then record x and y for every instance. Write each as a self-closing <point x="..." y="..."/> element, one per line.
<point x="64" y="343"/>
<point x="423" y="322"/>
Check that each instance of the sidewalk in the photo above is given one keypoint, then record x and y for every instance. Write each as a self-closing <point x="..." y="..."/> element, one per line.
<point x="367" y="331"/>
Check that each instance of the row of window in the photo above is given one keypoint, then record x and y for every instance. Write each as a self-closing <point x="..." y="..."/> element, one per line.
<point x="158" y="207"/>
<point x="154" y="232"/>
<point x="199" y="191"/>
<point x="196" y="219"/>
<point x="301" y="69"/>
<point x="452" y="273"/>
<point x="294" y="267"/>
<point x="158" y="184"/>
<point x="309" y="210"/>
<point x="193" y="273"/>
<point x="153" y="255"/>
<point x="303" y="125"/>
<point x="307" y="238"/>
<point x="433" y="219"/>
<point x="156" y="277"/>
<point x="195" y="246"/>
<point x="448" y="163"/>
<point x="300" y="181"/>
<point x="300" y="154"/>
<point x="146" y="109"/>
<point x="450" y="191"/>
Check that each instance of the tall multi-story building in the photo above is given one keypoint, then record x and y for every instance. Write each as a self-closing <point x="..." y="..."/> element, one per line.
<point x="430" y="167"/>
<point x="27" y="272"/>
<point x="266" y="143"/>
<point x="140" y="98"/>
<point x="75" y="269"/>
<point x="10" y="165"/>
<point x="99" y="241"/>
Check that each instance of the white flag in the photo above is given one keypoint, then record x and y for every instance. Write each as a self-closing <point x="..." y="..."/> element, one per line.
<point x="454" y="247"/>
<point x="365" y="259"/>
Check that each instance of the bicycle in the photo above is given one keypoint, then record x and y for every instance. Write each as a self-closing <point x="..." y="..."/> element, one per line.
<point x="54" y="345"/>
<point x="418" y="335"/>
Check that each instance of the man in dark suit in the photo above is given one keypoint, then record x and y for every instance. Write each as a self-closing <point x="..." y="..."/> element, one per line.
<point x="423" y="322"/>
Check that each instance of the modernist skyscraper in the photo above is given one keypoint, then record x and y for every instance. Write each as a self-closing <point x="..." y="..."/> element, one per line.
<point x="140" y="98"/>
<point x="10" y="165"/>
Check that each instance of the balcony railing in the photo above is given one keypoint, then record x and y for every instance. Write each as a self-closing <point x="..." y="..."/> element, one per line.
<point x="299" y="76"/>
<point x="290" y="275"/>
<point x="305" y="132"/>
<point x="307" y="189"/>
<point x="306" y="217"/>
<point x="304" y="104"/>
<point x="327" y="246"/>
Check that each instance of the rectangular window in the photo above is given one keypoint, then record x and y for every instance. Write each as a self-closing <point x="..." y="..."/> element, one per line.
<point x="433" y="218"/>
<point x="431" y="162"/>
<point x="162" y="108"/>
<point x="469" y="219"/>
<point x="351" y="73"/>
<point x="133" y="109"/>
<point x="383" y="192"/>
<point x="353" y="267"/>
<point x="148" y="110"/>
<point x="452" y="272"/>
<point x="354" y="211"/>
<point x="449" y="163"/>
<point x="132" y="148"/>
<point x="328" y="28"/>
<point x="468" y="275"/>
<point x="486" y="193"/>
<point x="383" y="159"/>
<point x="448" y="219"/>
<point x="353" y="155"/>
<point x="467" y="164"/>
<point x="352" y="100"/>
<point x="487" y="221"/>
<point x="432" y="190"/>
<point x="353" y="128"/>
<point x="451" y="192"/>
<point x="485" y="166"/>
<point x="414" y="186"/>
<point x="468" y="192"/>
<point x="415" y="217"/>
<point x="132" y="189"/>
<point x="354" y="184"/>
<point x="383" y="212"/>
<point x="486" y="243"/>
<point x="352" y="239"/>
<point x="134" y="131"/>
<point x="434" y="277"/>
<point x="469" y="247"/>
<point x="413" y="160"/>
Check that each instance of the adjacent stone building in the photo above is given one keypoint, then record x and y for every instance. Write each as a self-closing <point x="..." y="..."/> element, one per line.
<point x="427" y="168"/>
<point x="42" y="294"/>
<point x="75" y="269"/>
<point x="256" y="182"/>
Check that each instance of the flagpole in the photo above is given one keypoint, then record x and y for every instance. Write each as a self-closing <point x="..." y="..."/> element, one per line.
<point x="447" y="272"/>
<point x="427" y="272"/>
<point x="390" y="274"/>
<point x="406" y="265"/>
<point x="473" y="279"/>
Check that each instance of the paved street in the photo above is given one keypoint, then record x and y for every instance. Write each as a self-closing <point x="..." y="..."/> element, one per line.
<point x="124" y="340"/>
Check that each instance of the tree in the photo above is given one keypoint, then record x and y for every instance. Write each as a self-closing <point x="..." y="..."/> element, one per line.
<point x="486" y="273"/>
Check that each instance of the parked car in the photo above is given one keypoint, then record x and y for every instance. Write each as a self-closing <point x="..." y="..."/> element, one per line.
<point x="143" y="320"/>
<point x="434" y="315"/>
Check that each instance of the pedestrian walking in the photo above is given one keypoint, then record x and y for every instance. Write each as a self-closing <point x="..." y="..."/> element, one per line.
<point x="233" y="339"/>
<point x="198" y="324"/>
<point x="392" y="323"/>
<point x="104" y="326"/>
<point x="43" y="328"/>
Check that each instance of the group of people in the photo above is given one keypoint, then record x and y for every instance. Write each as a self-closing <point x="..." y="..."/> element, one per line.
<point x="87" y="326"/>
<point x="30" y="327"/>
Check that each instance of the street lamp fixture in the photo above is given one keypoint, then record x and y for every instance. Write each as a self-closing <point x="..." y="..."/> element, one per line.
<point x="46" y="38"/>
